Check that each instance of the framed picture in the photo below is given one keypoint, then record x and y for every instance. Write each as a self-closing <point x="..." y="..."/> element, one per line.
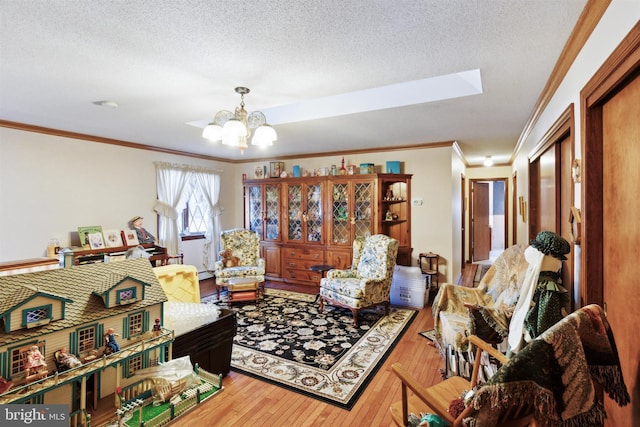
<point x="259" y="172"/>
<point x="276" y="169"/>
<point x="83" y="233"/>
<point x="112" y="238"/>
<point x="130" y="238"/>
<point x="96" y="241"/>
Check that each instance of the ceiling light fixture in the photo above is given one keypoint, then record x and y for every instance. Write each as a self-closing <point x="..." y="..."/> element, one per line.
<point x="234" y="128"/>
<point x="488" y="161"/>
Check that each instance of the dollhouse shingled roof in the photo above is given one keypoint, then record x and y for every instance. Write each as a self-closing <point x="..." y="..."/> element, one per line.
<point x="77" y="285"/>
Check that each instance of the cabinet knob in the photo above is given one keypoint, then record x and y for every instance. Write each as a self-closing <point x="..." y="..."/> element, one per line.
<point x="292" y="264"/>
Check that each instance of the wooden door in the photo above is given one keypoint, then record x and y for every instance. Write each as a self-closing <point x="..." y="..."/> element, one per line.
<point x="481" y="241"/>
<point x="621" y="237"/>
<point x="547" y="210"/>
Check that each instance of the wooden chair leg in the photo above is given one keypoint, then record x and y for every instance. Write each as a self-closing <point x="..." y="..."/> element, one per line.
<point x="355" y="312"/>
<point x="321" y="305"/>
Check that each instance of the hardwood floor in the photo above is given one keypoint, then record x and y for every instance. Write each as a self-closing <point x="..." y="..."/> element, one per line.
<point x="249" y="402"/>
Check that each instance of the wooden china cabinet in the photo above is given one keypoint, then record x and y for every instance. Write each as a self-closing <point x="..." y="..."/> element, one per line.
<point x="314" y="220"/>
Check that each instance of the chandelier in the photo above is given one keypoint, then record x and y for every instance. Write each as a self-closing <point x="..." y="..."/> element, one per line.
<point x="235" y="128"/>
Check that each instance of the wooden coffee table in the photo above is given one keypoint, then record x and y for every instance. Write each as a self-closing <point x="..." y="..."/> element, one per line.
<point x="243" y="289"/>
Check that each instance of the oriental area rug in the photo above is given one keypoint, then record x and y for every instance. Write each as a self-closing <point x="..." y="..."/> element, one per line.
<point x="282" y="339"/>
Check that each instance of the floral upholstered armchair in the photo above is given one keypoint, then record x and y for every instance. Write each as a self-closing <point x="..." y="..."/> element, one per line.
<point x="368" y="282"/>
<point x="245" y="246"/>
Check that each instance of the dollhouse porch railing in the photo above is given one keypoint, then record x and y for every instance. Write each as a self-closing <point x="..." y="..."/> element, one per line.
<point x="25" y="392"/>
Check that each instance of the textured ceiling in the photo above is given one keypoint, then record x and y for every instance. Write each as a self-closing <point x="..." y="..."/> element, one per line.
<point x="167" y="63"/>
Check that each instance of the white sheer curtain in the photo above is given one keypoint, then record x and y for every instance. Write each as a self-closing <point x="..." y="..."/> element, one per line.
<point x="171" y="180"/>
<point x="209" y="183"/>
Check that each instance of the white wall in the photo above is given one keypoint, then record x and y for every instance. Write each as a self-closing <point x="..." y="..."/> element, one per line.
<point x="617" y="21"/>
<point x="50" y="185"/>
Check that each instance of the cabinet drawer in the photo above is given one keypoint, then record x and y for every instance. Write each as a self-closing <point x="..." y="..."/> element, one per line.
<point x="299" y="264"/>
<point x="302" y="275"/>
<point x="316" y="255"/>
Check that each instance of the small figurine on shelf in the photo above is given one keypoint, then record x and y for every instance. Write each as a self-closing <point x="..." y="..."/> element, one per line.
<point x="67" y="359"/>
<point x="157" y="328"/>
<point x="388" y="216"/>
<point x="389" y="195"/>
<point x="35" y="361"/>
<point x="111" y="346"/>
<point x="143" y="235"/>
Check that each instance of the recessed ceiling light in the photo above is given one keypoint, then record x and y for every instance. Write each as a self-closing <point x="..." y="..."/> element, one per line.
<point x="110" y="104"/>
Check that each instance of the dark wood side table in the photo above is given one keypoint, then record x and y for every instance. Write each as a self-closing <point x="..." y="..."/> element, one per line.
<point x="322" y="269"/>
<point x="430" y="267"/>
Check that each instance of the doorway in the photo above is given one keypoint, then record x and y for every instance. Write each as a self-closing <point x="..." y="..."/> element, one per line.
<point x="488" y="218"/>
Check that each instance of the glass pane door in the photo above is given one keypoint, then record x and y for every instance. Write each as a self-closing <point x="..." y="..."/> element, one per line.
<point x="255" y="210"/>
<point x="339" y="226"/>
<point x="294" y="212"/>
<point x="314" y="213"/>
<point x="272" y="203"/>
<point x="363" y="196"/>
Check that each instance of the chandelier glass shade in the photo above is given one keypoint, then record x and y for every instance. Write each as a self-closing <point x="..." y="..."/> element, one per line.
<point x="236" y="128"/>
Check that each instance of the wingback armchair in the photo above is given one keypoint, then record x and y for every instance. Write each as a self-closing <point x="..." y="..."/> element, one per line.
<point x="245" y="245"/>
<point x="368" y="282"/>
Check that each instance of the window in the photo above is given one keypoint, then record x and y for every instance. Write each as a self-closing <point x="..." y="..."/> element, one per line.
<point x="135" y="363"/>
<point x="16" y="362"/>
<point x="86" y="339"/>
<point x="194" y="221"/>
<point x="135" y="324"/>
<point x="126" y="296"/>
<point x="36" y="316"/>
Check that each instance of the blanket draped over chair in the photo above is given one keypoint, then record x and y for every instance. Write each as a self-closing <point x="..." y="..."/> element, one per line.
<point x="575" y="352"/>
<point x="495" y="298"/>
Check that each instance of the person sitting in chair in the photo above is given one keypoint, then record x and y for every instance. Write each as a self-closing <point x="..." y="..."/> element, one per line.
<point x="110" y="340"/>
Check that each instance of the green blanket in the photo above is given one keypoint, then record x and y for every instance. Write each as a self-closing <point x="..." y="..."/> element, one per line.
<point x="554" y="374"/>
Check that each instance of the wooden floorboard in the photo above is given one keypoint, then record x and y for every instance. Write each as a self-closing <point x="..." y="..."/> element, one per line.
<point x="246" y="401"/>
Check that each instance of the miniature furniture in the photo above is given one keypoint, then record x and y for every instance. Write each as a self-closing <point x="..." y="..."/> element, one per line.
<point x="368" y="282"/>
<point x="245" y="245"/>
<point x="430" y="267"/>
<point x="437" y="399"/>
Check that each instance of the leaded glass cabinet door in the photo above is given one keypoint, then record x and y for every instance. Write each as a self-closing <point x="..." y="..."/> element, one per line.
<point x="254" y="209"/>
<point x="295" y="211"/>
<point x="272" y="212"/>
<point x="339" y="225"/>
<point x="314" y="214"/>
<point x="362" y="218"/>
